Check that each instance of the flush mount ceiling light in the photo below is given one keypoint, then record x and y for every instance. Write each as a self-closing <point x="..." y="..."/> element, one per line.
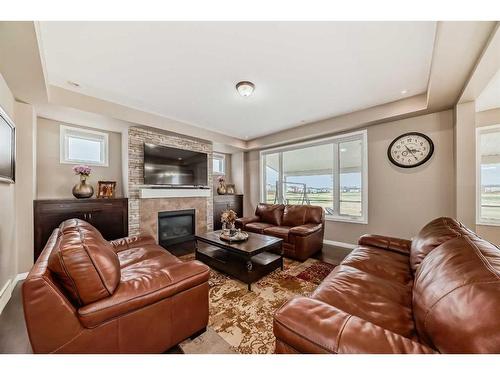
<point x="245" y="88"/>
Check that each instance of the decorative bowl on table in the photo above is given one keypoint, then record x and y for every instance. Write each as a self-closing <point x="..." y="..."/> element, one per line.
<point x="239" y="236"/>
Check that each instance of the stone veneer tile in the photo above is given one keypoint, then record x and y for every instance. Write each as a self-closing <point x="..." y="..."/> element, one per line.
<point x="143" y="213"/>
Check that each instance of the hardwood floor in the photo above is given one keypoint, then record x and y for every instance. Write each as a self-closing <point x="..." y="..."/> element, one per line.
<point x="13" y="334"/>
<point x="14" y="337"/>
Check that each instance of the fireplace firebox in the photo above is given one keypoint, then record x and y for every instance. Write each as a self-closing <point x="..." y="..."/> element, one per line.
<point x="176" y="227"/>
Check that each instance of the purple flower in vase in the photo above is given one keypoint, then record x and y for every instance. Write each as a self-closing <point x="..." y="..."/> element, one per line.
<point x="82" y="170"/>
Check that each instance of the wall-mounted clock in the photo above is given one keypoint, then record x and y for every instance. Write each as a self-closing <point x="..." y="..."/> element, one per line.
<point x="410" y="150"/>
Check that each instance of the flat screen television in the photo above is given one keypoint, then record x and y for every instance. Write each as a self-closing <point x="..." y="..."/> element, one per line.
<point x="7" y="148"/>
<point x="173" y="166"/>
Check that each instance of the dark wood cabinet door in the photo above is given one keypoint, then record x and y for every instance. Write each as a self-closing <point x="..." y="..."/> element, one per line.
<point x="110" y="222"/>
<point x="109" y="216"/>
<point x="226" y="202"/>
<point x="45" y="223"/>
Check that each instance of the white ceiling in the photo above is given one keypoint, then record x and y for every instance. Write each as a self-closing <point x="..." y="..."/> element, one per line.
<point x="303" y="71"/>
<point x="490" y="96"/>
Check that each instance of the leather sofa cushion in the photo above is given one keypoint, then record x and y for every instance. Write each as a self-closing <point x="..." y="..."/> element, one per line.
<point x="295" y="215"/>
<point x="387" y="265"/>
<point x="280" y="232"/>
<point x="372" y="298"/>
<point x="139" y="254"/>
<point x="330" y="330"/>
<point x="306" y="229"/>
<point x="84" y="263"/>
<point x="257" y="227"/>
<point x="145" y="283"/>
<point x="435" y="233"/>
<point x="456" y="297"/>
<point x="270" y="213"/>
<point x="314" y="215"/>
<point x="389" y="243"/>
<point x="131" y="242"/>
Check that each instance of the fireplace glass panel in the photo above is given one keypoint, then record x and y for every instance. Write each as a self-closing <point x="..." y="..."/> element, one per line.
<point x="175" y="227"/>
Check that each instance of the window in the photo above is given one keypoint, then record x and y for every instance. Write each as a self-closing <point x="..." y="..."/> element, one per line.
<point x="488" y="175"/>
<point x="83" y="146"/>
<point x="331" y="173"/>
<point x="219" y="162"/>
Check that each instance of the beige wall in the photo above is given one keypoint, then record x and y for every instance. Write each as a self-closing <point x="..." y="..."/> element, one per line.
<point x="401" y="201"/>
<point x="238" y="171"/>
<point x="55" y="180"/>
<point x="16" y="200"/>
<point x="25" y="183"/>
<point x="228" y="171"/>
<point x="465" y="163"/>
<point x="8" y="261"/>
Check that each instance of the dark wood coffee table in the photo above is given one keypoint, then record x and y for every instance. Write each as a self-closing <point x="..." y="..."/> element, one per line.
<point x="247" y="261"/>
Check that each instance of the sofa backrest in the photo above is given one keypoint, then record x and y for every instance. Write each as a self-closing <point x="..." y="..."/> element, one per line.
<point x="435" y="233"/>
<point x="270" y="213"/>
<point x="83" y="263"/>
<point x="294" y="215"/>
<point x="290" y="215"/>
<point x="46" y="306"/>
<point x="456" y="291"/>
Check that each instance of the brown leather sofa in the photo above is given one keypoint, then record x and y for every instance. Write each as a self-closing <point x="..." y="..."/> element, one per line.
<point x="300" y="226"/>
<point x="439" y="293"/>
<point x="87" y="295"/>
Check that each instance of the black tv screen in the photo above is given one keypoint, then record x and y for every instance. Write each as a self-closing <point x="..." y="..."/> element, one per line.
<point x="7" y="148"/>
<point x="173" y="166"/>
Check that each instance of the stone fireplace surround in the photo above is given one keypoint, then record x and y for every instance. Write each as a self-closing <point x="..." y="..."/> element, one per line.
<point x="143" y="212"/>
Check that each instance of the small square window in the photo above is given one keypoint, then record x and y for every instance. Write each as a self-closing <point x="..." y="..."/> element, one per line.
<point x="219" y="162"/>
<point x="82" y="146"/>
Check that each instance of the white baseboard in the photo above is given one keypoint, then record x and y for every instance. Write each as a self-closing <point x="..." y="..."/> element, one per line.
<point x="20" y="276"/>
<point x="7" y="289"/>
<point x="339" y="244"/>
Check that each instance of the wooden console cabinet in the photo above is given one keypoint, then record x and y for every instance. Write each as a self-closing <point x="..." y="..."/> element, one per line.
<point x="109" y="216"/>
<point x="224" y="202"/>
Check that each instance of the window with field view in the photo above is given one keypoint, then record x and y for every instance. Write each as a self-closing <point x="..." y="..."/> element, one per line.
<point x="488" y="150"/>
<point x="330" y="173"/>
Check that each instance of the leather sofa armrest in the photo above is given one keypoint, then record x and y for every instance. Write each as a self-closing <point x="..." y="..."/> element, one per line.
<point x="141" y="292"/>
<point x="389" y="243"/>
<point x="242" y="221"/>
<point x="306" y="229"/>
<point x="330" y="330"/>
<point x="131" y="242"/>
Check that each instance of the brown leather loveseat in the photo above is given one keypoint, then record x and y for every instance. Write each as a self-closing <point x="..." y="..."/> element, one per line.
<point x="439" y="293"/>
<point x="87" y="295"/>
<point x="300" y="226"/>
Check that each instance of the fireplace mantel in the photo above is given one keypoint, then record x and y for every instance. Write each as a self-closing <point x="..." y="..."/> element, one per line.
<point x="174" y="193"/>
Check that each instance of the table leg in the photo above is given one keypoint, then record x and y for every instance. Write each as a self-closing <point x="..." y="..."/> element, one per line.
<point x="249" y="266"/>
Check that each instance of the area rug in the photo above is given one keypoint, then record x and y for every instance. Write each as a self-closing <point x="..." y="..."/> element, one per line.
<point x="245" y="319"/>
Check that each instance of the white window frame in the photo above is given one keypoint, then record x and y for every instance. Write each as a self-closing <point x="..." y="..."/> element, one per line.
<point x="479" y="219"/>
<point x="67" y="132"/>
<point x="221" y="157"/>
<point x="363" y="134"/>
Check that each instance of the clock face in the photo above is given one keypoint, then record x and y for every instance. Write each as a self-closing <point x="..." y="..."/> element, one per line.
<point x="410" y="150"/>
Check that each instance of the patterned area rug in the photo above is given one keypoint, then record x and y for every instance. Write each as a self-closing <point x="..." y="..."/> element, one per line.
<point x="245" y="319"/>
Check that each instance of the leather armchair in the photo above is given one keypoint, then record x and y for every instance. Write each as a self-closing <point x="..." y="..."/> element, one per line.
<point x="439" y="293"/>
<point x="300" y="226"/>
<point x="88" y="295"/>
